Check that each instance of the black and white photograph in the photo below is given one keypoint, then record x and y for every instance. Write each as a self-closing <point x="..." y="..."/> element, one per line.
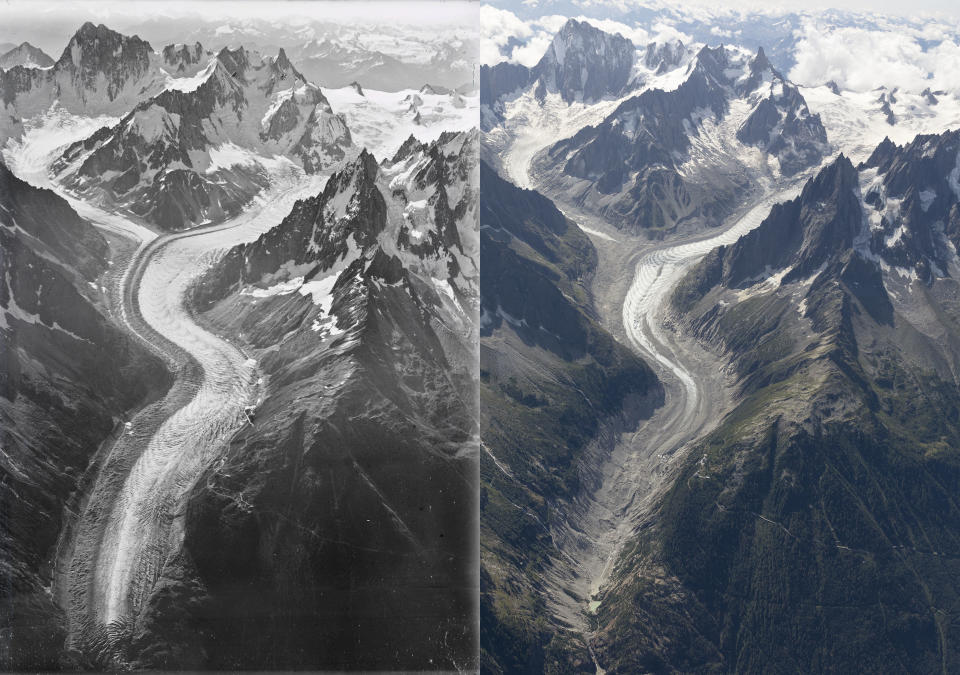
<point x="241" y="263"/>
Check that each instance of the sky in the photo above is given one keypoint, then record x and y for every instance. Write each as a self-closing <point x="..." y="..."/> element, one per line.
<point x="895" y="7"/>
<point x="49" y="24"/>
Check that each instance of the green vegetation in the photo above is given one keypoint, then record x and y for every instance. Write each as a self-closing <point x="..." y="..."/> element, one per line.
<point x="548" y="386"/>
<point x="817" y="529"/>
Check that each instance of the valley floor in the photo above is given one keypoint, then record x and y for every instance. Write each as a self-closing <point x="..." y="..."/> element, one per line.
<point x="631" y="291"/>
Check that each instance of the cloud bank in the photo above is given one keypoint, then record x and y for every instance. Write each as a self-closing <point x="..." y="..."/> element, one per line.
<point x="861" y="59"/>
<point x="506" y="37"/>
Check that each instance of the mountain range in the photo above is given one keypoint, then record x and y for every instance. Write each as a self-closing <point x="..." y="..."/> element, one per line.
<point x="811" y="526"/>
<point x="653" y="162"/>
<point x="360" y="305"/>
<point x="70" y="377"/>
<point x="199" y="152"/>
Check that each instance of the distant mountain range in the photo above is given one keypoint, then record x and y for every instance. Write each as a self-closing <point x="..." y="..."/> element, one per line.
<point x="196" y="153"/>
<point x="25" y="55"/>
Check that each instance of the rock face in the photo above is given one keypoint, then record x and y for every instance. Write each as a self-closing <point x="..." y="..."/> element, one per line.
<point x="582" y="64"/>
<point x="585" y="64"/>
<point x="662" y="57"/>
<point x="100" y="72"/>
<point x="644" y="167"/>
<point x="68" y="378"/>
<point x="25" y="55"/>
<point x="338" y="529"/>
<point x="911" y="198"/>
<point x="498" y="83"/>
<point x="186" y="157"/>
<point x="832" y="477"/>
<point x="804" y="232"/>
<point x="185" y="59"/>
<point x="555" y="387"/>
<point x="781" y="124"/>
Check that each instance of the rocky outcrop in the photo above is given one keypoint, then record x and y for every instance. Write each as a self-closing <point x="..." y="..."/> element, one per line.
<point x="185" y="59"/>
<point x="913" y="203"/>
<point x="69" y="378"/>
<point x="25" y="55"/>
<point x="665" y="56"/>
<point x="640" y="166"/>
<point x="183" y="158"/>
<point x="344" y="510"/>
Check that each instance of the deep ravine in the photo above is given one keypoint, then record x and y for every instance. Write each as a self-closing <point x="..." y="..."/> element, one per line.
<point x="132" y="521"/>
<point x="632" y="291"/>
<point x="115" y="542"/>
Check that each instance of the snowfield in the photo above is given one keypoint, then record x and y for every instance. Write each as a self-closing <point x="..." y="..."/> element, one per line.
<point x="381" y="121"/>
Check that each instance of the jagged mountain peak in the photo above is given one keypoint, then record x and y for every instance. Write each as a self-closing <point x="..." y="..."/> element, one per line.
<point x="93" y="47"/>
<point x="713" y="62"/>
<point x="585" y="63"/>
<point x="580" y="38"/>
<point x="26" y="55"/>
<point x="911" y="198"/>
<point x="365" y="166"/>
<point x="236" y="60"/>
<point x="881" y="155"/>
<point x="663" y="56"/>
<point x="761" y="62"/>
<point x="183" y="57"/>
<point x="837" y="176"/>
<point x="283" y="67"/>
<point x="282" y="61"/>
<point x="409" y="146"/>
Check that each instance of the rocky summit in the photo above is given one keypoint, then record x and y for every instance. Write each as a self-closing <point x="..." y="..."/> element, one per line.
<point x="198" y="152"/>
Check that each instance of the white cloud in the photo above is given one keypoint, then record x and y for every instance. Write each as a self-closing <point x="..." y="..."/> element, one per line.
<point x="529" y="54"/>
<point x="497" y="26"/>
<point x="550" y="22"/>
<point x="861" y="59"/>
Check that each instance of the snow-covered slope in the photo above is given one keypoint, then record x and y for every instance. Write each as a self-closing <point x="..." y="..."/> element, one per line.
<point x="857" y="121"/>
<point x="662" y="158"/>
<point x="381" y="121"/>
<point x="194" y="155"/>
<point x="416" y="210"/>
<point x="100" y="72"/>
